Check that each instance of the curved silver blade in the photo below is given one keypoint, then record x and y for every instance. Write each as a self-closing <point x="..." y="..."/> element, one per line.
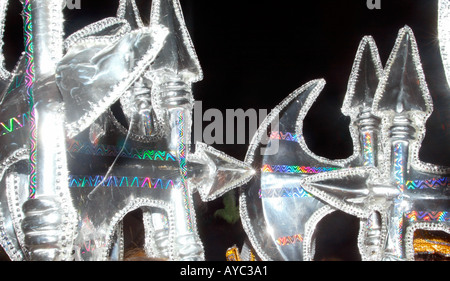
<point x="275" y="209"/>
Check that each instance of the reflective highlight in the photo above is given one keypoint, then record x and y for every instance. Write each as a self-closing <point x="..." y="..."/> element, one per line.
<point x="29" y="80"/>
<point x="295" y="169"/>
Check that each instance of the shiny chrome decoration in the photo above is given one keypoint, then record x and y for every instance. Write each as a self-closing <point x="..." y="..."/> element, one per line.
<point x="403" y="102"/>
<point x="125" y="88"/>
<point x="388" y="110"/>
<point x="268" y="219"/>
<point x="47" y="235"/>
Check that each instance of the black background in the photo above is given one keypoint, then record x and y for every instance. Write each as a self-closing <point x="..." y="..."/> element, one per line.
<point x="255" y="52"/>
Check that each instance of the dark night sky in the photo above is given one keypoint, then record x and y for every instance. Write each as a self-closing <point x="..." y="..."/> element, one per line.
<point x="255" y="52"/>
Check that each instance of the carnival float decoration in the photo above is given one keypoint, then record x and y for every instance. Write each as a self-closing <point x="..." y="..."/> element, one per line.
<point x="384" y="183"/>
<point x="98" y="124"/>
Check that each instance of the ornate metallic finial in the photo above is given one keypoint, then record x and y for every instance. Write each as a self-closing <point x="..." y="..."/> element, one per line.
<point x="178" y="56"/>
<point x="404" y="89"/>
<point x="363" y="82"/>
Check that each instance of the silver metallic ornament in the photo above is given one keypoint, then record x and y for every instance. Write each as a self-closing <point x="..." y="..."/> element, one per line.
<point x="121" y="92"/>
<point x="383" y="183"/>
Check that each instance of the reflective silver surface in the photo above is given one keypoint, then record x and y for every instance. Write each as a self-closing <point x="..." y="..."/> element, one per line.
<point x="383" y="183"/>
<point x="122" y="94"/>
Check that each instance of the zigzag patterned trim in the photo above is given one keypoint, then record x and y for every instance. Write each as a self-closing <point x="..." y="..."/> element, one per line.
<point x="431" y="183"/>
<point x="283" y="192"/>
<point x="295" y="169"/>
<point x="289" y="240"/>
<point x="75" y="146"/>
<point x="415" y="216"/>
<point x="115" y="181"/>
<point x="285" y="136"/>
<point x="13" y="124"/>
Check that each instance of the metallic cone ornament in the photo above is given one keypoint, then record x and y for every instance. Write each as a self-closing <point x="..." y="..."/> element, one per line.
<point x="121" y="93"/>
<point x="383" y="183"/>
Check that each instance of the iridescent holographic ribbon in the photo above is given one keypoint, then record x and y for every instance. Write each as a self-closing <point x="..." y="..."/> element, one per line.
<point x="399" y="178"/>
<point x="415" y="216"/>
<point x="295" y="169"/>
<point x="368" y="150"/>
<point x="13" y="124"/>
<point x="119" y="181"/>
<point x="290" y="191"/>
<point x="287" y="136"/>
<point x="430" y="183"/>
<point x="29" y="80"/>
<point x="74" y="146"/>
<point x="398" y="167"/>
<point x="181" y="125"/>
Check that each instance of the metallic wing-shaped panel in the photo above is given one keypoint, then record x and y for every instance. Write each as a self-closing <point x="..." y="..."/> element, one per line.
<point x="106" y="66"/>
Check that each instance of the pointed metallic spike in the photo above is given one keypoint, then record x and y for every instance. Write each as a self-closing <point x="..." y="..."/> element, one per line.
<point x="403" y="87"/>
<point x="178" y="55"/>
<point x="129" y="12"/>
<point x="364" y="78"/>
<point x="223" y="172"/>
<point x="346" y="189"/>
<point x="444" y="35"/>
